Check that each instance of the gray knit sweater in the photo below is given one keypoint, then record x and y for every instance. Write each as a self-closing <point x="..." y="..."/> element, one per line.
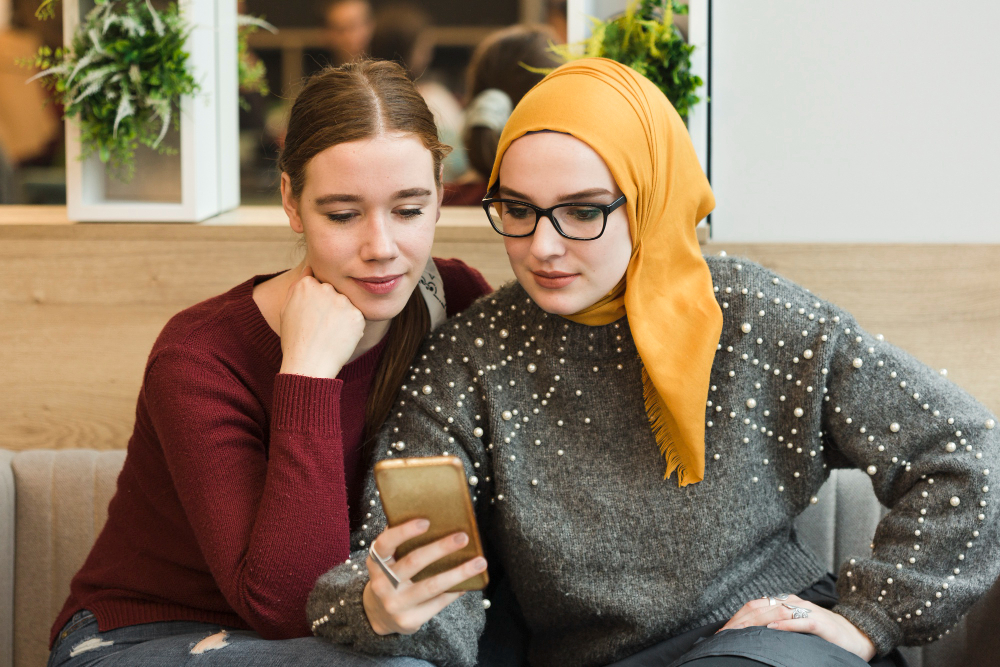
<point x="605" y="556"/>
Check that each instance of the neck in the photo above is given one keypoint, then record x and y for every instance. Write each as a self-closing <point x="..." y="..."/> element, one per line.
<point x="374" y="333"/>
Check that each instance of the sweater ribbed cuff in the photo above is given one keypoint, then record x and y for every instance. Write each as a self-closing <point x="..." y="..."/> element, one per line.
<point x="872" y="620"/>
<point x="306" y="404"/>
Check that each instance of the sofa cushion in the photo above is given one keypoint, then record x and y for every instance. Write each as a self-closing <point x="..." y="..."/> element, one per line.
<point x="61" y="506"/>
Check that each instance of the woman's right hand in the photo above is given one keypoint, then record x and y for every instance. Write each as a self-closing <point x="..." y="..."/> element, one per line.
<point x="320" y="328"/>
<point x="405" y="609"/>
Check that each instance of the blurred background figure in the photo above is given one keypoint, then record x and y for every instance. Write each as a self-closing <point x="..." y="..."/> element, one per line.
<point x="496" y="81"/>
<point x="556" y="19"/>
<point x="403" y="33"/>
<point x="349" y="28"/>
<point x="30" y="131"/>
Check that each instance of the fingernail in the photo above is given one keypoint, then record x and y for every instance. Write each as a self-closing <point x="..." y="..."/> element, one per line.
<point x="479" y="564"/>
<point x="423" y="524"/>
<point x="461" y="538"/>
<point x="771" y="624"/>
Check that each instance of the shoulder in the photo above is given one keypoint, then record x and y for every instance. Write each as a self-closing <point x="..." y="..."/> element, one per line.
<point x="462" y="284"/>
<point x="208" y="330"/>
<point x="753" y="297"/>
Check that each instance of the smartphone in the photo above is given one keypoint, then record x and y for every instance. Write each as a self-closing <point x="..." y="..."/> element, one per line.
<point x="432" y="488"/>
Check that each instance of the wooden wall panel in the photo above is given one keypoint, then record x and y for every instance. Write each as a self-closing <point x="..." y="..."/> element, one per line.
<point x="80" y="306"/>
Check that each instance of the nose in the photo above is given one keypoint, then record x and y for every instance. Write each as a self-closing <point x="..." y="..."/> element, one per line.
<point x="378" y="243"/>
<point x="546" y="242"/>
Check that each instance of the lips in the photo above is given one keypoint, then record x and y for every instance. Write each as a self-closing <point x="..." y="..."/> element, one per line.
<point x="379" y="284"/>
<point x="554" y="279"/>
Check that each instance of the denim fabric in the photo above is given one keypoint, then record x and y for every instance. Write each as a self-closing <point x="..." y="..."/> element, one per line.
<point x="169" y="644"/>
<point x="701" y="647"/>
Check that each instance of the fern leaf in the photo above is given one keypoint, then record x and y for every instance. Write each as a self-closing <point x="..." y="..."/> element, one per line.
<point x="157" y="21"/>
<point x="125" y="109"/>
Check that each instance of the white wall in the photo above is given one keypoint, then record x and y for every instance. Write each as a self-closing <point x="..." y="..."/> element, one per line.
<point x="855" y="121"/>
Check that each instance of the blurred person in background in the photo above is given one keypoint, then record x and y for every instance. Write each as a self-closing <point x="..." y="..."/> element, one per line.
<point x="30" y="131"/>
<point x="349" y="28"/>
<point x="557" y="19"/>
<point x="403" y="34"/>
<point x="496" y="82"/>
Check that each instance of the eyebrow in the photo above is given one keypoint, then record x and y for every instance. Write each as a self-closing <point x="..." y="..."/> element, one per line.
<point x="409" y="193"/>
<point x="582" y="195"/>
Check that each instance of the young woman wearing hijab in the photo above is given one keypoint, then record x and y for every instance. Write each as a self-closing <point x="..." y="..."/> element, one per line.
<point x="247" y="462"/>
<point x="622" y="355"/>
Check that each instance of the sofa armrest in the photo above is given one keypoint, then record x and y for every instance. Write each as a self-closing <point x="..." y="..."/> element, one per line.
<point x="6" y="559"/>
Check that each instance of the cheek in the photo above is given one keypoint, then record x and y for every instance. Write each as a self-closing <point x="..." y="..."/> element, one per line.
<point x="612" y="259"/>
<point x="517" y="251"/>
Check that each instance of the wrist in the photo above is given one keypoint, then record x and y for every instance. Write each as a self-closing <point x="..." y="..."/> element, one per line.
<point x="368" y="603"/>
<point x="296" y="367"/>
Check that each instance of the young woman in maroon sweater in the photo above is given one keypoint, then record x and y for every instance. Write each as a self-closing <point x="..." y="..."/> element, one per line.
<point x="244" y="469"/>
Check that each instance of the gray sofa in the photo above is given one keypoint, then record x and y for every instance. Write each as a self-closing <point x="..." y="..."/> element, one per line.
<point x="53" y="504"/>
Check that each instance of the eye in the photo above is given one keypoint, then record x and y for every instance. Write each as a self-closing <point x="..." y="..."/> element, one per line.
<point x="410" y="213"/>
<point x="584" y="213"/>
<point x="519" y="212"/>
<point x="341" y="217"/>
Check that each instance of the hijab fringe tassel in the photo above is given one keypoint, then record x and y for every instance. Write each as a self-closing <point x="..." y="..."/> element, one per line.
<point x="657" y="422"/>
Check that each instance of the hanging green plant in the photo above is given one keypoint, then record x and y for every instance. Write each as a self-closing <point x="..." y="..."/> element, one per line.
<point x="252" y="73"/>
<point x="122" y="79"/>
<point x="46" y="10"/>
<point x="646" y="39"/>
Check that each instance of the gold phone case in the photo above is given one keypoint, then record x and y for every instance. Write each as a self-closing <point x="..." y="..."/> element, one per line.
<point x="432" y="488"/>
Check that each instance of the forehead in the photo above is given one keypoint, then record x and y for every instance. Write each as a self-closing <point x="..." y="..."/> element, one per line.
<point x="385" y="163"/>
<point x="551" y="163"/>
<point x="347" y="10"/>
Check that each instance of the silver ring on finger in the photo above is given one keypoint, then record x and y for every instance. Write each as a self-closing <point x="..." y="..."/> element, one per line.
<point x="383" y="564"/>
<point x="776" y="599"/>
<point x="797" y="612"/>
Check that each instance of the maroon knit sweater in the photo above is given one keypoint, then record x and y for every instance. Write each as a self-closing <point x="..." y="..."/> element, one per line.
<point x="236" y="488"/>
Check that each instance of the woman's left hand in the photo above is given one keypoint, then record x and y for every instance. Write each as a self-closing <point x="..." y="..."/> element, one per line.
<point x="821" y="622"/>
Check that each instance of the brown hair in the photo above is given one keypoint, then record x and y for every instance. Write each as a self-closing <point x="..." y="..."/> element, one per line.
<point x="357" y="101"/>
<point x="496" y="63"/>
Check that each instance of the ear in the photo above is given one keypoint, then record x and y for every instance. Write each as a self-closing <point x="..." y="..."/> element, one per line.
<point x="440" y="192"/>
<point x="290" y="204"/>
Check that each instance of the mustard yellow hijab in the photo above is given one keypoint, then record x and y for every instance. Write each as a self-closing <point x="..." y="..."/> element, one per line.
<point x="667" y="292"/>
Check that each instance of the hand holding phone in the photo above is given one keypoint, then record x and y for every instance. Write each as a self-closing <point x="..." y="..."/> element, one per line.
<point x="432" y="544"/>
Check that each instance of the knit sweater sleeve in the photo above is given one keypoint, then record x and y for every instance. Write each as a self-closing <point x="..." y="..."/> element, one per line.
<point x="439" y="411"/>
<point x="269" y="520"/>
<point x="929" y="449"/>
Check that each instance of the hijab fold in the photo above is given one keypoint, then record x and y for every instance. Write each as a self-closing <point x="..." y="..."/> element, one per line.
<point x="667" y="291"/>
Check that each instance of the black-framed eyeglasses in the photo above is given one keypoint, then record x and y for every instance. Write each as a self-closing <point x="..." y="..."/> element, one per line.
<point x="575" y="221"/>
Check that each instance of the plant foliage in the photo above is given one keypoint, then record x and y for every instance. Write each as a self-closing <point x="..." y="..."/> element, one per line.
<point x="122" y="79"/>
<point x="646" y="39"/>
<point x="46" y="10"/>
<point x="252" y="73"/>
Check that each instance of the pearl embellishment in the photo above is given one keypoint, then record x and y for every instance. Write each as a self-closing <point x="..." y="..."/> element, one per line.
<point x="427" y="389"/>
<point x="857" y="363"/>
<point x="955" y="501"/>
<point x="746" y="328"/>
<point x="990" y="423"/>
<point x="894" y="427"/>
<point x="751" y="403"/>
<point x="872" y="470"/>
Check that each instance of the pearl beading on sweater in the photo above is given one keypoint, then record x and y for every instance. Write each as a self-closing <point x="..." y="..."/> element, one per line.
<point x="750" y="355"/>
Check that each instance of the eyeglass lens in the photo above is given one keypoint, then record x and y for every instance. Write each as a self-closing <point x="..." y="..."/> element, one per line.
<point x="582" y="222"/>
